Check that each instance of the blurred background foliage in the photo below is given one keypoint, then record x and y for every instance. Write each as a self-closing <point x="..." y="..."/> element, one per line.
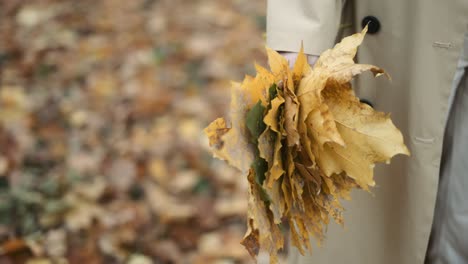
<point x="102" y="106"/>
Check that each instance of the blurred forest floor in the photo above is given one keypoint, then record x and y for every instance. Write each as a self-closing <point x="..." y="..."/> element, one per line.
<point x="102" y="107"/>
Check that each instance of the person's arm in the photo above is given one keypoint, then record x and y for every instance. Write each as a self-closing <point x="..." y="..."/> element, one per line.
<point x="313" y="22"/>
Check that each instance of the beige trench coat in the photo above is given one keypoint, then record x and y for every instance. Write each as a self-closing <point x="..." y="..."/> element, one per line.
<point x="418" y="43"/>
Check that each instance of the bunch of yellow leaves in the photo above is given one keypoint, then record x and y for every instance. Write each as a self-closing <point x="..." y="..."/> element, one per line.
<point x="304" y="140"/>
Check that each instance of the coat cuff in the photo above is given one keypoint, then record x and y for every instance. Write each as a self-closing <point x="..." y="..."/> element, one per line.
<point x="314" y="42"/>
<point x="315" y="23"/>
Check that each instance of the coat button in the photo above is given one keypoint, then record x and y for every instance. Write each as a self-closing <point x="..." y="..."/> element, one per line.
<point x="367" y="102"/>
<point x="373" y="22"/>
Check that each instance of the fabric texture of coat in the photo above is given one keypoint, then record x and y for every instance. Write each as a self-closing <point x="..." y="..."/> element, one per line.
<point x="418" y="44"/>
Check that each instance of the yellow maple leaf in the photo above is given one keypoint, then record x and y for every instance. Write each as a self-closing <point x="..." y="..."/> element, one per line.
<point x="370" y="137"/>
<point x="232" y="143"/>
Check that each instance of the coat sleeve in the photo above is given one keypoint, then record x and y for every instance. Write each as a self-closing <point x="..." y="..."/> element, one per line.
<point x="315" y="22"/>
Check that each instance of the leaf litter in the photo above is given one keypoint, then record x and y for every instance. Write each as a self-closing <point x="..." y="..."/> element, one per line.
<point x="103" y="103"/>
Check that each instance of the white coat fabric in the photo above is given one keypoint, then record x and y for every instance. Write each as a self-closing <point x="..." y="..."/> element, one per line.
<point x="419" y="45"/>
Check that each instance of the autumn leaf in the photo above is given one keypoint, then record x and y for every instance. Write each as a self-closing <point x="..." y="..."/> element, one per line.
<point x="260" y="223"/>
<point x="370" y="137"/>
<point x="308" y="140"/>
<point x="234" y="145"/>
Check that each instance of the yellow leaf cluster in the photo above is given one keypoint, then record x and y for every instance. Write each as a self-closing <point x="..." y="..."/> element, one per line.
<point x="318" y="143"/>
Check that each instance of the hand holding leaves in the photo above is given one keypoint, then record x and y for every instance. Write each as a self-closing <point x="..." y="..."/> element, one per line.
<point x="304" y="141"/>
